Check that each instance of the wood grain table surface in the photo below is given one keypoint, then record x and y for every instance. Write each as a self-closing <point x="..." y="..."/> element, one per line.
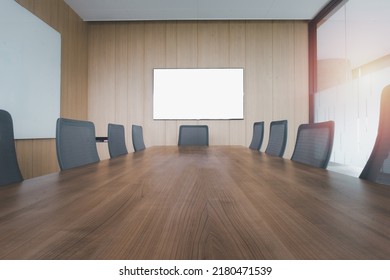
<point x="222" y="202"/>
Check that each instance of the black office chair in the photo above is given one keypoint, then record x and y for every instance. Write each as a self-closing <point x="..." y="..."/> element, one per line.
<point x="193" y="135"/>
<point x="377" y="168"/>
<point x="116" y="140"/>
<point x="76" y="143"/>
<point x="258" y="135"/>
<point x="9" y="167"/>
<point x="138" y="138"/>
<point x="277" y="138"/>
<point x="314" y="144"/>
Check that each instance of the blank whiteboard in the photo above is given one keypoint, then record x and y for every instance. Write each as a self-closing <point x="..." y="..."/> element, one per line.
<point x="198" y="94"/>
<point x="30" y="62"/>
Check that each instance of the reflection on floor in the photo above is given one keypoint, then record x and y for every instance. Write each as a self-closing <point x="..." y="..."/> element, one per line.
<point x="353" y="171"/>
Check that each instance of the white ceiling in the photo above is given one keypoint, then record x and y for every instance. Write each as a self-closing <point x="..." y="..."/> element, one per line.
<point x="133" y="10"/>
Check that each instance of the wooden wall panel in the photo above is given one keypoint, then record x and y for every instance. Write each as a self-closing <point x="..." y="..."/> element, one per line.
<point x="171" y="126"/>
<point x="47" y="10"/>
<point x="213" y="51"/>
<point x="258" y="76"/>
<point x="237" y="59"/>
<point x="43" y="151"/>
<point x="121" y="79"/>
<point x="38" y="156"/>
<point x="213" y="44"/>
<point x="271" y="53"/>
<point x="187" y="44"/>
<point x="155" y="44"/>
<point x="136" y="85"/>
<point x="74" y="101"/>
<point x="301" y="86"/>
<point x="102" y="103"/>
<point x="24" y="153"/>
<point x="27" y="4"/>
<point x="283" y="80"/>
<point x="187" y="55"/>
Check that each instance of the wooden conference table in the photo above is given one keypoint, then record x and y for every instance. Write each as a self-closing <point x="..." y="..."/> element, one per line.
<point x="218" y="202"/>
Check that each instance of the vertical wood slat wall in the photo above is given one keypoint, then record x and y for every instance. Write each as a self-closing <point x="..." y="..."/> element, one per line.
<point x="38" y="157"/>
<point x="121" y="58"/>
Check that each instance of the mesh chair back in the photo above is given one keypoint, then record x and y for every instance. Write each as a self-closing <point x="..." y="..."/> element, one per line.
<point x="257" y="137"/>
<point x="76" y="143"/>
<point x="314" y="144"/>
<point x="193" y="135"/>
<point x="377" y="168"/>
<point x="9" y="168"/>
<point x="116" y="140"/>
<point x="277" y="138"/>
<point x="138" y="138"/>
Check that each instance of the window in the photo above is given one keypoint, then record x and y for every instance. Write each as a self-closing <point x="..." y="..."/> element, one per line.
<point x="352" y="66"/>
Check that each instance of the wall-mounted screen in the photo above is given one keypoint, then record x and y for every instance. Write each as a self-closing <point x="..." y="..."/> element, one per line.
<point x="30" y="62"/>
<point x="195" y="94"/>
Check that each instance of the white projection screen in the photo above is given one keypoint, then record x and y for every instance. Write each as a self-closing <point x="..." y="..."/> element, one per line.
<point x="30" y="62"/>
<point x="195" y="94"/>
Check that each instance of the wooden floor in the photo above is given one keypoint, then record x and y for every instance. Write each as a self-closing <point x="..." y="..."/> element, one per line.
<point x="195" y="203"/>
